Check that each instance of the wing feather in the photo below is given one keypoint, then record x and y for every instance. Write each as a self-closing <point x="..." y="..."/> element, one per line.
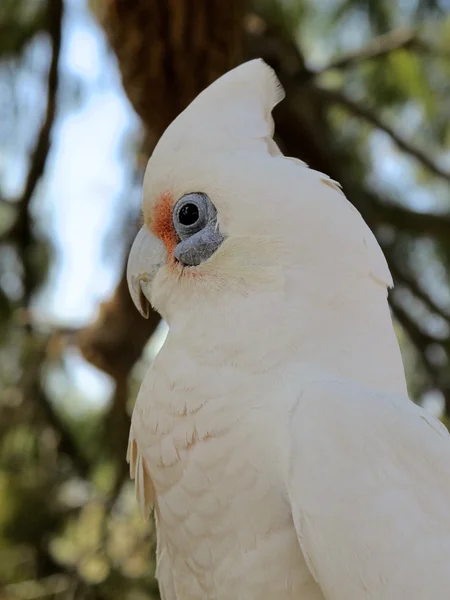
<point x="369" y="486"/>
<point x="139" y="472"/>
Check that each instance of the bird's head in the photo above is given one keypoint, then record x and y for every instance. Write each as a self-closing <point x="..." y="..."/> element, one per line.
<point x="227" y="214"/>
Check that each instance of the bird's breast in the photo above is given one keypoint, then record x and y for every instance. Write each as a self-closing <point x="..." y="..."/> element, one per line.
<point x="224" y="524"/>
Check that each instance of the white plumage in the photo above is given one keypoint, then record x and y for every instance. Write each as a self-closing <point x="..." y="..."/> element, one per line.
<point x="273" y="433"/>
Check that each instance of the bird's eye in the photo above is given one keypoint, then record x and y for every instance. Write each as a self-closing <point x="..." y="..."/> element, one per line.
<point x="192" y="213"/>
<point x="188" y="214"/>
<point x="194" y="219"/>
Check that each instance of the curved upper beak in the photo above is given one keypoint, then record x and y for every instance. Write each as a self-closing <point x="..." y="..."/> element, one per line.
<point x="147" y="256"/>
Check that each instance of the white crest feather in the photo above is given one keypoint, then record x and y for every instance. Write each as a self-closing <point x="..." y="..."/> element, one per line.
<point x="243" y="99"/>
<point x="235" y="108"/>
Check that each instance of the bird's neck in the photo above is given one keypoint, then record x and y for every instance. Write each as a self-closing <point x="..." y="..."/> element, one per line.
<point x="352" y="335"/>
<point x="348" y="333"/>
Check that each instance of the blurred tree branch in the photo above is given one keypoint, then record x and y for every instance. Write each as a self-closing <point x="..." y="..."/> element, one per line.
<point x="421" y="340"/>
<point x="108" y="343"/>
<point x="363" y="112"/>
<point x="412" y="284"/>
<point x="21" y="231"/>
<point x="40" y="153"/>
<point x="416" y="223"/>
<point x="376" y="48"/>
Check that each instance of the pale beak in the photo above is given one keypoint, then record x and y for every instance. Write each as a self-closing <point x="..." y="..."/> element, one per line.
<point x="147" y="256"/>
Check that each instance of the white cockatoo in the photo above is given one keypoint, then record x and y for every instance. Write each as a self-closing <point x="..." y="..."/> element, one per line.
<point x="273" y="434"/>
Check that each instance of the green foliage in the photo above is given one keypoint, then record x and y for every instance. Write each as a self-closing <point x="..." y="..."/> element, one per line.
<point x="20" y="20"/>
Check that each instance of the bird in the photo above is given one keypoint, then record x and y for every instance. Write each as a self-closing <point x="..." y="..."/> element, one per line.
<point x="273" y="437"/>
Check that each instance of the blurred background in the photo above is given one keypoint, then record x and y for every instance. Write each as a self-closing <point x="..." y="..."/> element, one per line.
<point x="86" y="89"/>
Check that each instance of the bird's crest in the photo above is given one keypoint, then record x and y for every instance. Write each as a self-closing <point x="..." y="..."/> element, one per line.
<point x="234" y="109"/>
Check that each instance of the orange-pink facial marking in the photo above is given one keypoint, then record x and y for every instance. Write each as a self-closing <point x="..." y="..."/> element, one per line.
<point x="162" y="224"/>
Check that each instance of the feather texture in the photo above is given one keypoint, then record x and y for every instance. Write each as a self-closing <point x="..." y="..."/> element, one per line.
<point x="369" y="484"/>
<point x="139" y="472"/>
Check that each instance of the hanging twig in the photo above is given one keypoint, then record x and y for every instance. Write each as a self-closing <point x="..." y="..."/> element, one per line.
<point x="421" y="340"/>
<point x="21" y="231"/>
<point x="376" y="48"/>
<point x="413" y="285"/>
<point x="411" y="221"/>
<point x="357" y="109"/>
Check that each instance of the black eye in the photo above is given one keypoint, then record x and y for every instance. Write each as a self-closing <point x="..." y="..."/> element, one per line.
<point x="194" y="219"/>
<point x="192" y="213"/>
<point x="188" y="214"/>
